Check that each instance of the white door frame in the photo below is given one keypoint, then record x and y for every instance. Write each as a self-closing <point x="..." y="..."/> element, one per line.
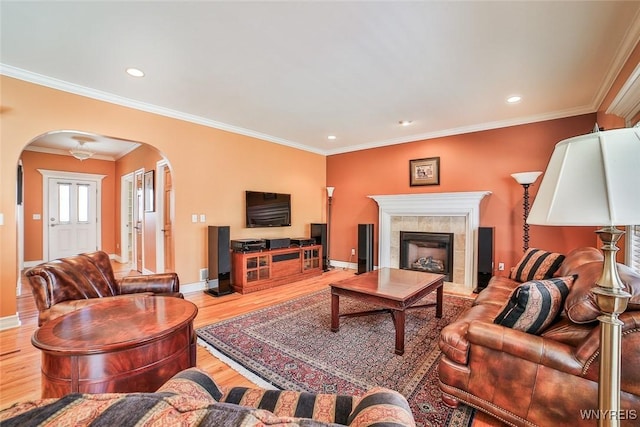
<point x="20" y="230"/>
<point x="136" y="209"/>
<point x="126" y="211"/>
<point x="159" y="185"/>
<point x="52" y="174"/>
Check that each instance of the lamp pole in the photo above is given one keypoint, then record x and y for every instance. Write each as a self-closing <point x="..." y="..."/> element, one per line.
<point x="525" y="226"/>
<point x="612" y="299"/>
<point x="329" y="201"/>
<point x="525" y="179"/>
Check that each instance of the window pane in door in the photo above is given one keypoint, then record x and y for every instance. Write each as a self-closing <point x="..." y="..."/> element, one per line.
<point x="64" y="193"/>
<point x="83" y="203"/>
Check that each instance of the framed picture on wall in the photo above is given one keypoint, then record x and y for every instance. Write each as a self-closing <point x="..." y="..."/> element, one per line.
<point x="424" y="171"/>
<point x="149" y="202"/>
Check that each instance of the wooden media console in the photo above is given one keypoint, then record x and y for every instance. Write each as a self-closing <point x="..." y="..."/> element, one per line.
<point x="254" y="271"/>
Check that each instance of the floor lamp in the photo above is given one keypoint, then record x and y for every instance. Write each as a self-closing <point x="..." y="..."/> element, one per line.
<point x="593" y="180"/>
<point x="329" y="201"/>
<point x="526" y="179"/>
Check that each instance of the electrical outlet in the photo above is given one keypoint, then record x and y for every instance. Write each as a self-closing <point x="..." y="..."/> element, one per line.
<point x="353" y="251"/>
<point x="204" y="273"/>
<point x="501" y="266"/>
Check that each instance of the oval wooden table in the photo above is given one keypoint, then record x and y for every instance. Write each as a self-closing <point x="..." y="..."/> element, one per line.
<point x="121" y="344"/>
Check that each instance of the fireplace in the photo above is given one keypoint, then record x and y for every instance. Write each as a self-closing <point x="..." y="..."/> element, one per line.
<point x="415" y="212"/>
<point x="430" y="252"/>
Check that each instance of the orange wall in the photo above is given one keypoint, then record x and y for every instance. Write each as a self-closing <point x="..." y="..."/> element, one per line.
<point x="210" y="168"/>
<point x="469" y="162"/>
<point x="33" y="231"/>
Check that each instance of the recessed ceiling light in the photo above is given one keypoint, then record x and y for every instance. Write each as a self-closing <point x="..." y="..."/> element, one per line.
<point x="514" y="99"/>
<point x="331" y="137"/>
<point x="405" y="122"/>
<point x="135" y="72"/>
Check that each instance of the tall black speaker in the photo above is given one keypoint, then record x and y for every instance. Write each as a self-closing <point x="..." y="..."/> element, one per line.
<point x="319" y="233"/>
<point x="365" y="248"/>
<point x="485" y="256"/>
<point x="219" y="243"/>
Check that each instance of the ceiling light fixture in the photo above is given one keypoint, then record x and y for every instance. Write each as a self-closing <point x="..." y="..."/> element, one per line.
<point x="405" y="122"/>
<point x="80" y="152"/>
<point x="514" y="99"/>
<point x="332" y="137"/>
<point x="135" y="72"/>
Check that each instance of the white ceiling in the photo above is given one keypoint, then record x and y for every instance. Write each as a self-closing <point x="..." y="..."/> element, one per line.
<point x="295" y="72"/>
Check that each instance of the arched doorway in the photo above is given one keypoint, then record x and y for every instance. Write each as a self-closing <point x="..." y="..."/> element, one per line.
<point x="114" y="160"/>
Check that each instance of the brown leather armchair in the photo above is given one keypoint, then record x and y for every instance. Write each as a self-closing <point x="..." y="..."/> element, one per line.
<point x="67" y="284"/>
<point x="550" y="379"/>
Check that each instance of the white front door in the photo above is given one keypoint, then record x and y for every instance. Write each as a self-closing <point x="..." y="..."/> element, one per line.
<point x="72" y="217"/>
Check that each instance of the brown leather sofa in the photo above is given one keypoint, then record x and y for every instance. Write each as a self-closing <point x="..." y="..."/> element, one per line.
<point x="67" y="284"/>
<point x="550" y="379"/>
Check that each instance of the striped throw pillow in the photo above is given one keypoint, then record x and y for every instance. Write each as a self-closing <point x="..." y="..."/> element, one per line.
<point x="536" y="264"/>
<point x="534" y="305"/>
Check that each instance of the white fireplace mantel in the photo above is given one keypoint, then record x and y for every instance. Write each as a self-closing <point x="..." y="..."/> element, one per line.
<point x="466" y="204"/>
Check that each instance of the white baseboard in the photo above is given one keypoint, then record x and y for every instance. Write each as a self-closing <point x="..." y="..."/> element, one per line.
<point x="193" y="287"/>
<point x="345" y="265"/>
<point x="10" y="322"/>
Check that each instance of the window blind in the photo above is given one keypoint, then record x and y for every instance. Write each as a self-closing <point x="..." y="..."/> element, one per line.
<point x="634" y="238"/>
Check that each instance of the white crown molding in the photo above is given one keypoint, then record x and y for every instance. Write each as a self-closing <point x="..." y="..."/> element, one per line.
<point x="467" y="129"/>
<point x="625" y="49"/>
<point x="627" y="103"/>
<point x="64" y="86"/>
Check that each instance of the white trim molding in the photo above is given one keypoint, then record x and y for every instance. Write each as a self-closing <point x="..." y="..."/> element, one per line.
<point x="10" y="322"/>
<point x="465" y="204"/>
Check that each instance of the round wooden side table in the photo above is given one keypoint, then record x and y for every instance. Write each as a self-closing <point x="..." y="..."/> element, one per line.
<point x="121" y="344"/>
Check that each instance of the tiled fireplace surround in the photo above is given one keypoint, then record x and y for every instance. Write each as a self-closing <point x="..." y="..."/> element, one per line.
<point x="457" y="213"/>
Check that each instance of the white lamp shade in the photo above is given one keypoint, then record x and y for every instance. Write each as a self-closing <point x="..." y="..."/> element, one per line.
<point x="591" y="180"/>
<point x="330" y="191"/>
<point x="526" y="177"/>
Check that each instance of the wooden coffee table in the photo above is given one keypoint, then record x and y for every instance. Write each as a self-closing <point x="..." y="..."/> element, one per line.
<point x="392" y="289"/>
<point x="121" y="344"/>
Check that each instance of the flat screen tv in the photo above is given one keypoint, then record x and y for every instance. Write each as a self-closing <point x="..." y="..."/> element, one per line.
<point x="268" y="209"/>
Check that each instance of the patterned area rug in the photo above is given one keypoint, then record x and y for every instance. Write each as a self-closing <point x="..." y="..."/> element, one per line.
<point x="290" y="345"/>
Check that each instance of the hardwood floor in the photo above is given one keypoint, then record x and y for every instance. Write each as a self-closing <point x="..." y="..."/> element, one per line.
<point x="20" y="361"/>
